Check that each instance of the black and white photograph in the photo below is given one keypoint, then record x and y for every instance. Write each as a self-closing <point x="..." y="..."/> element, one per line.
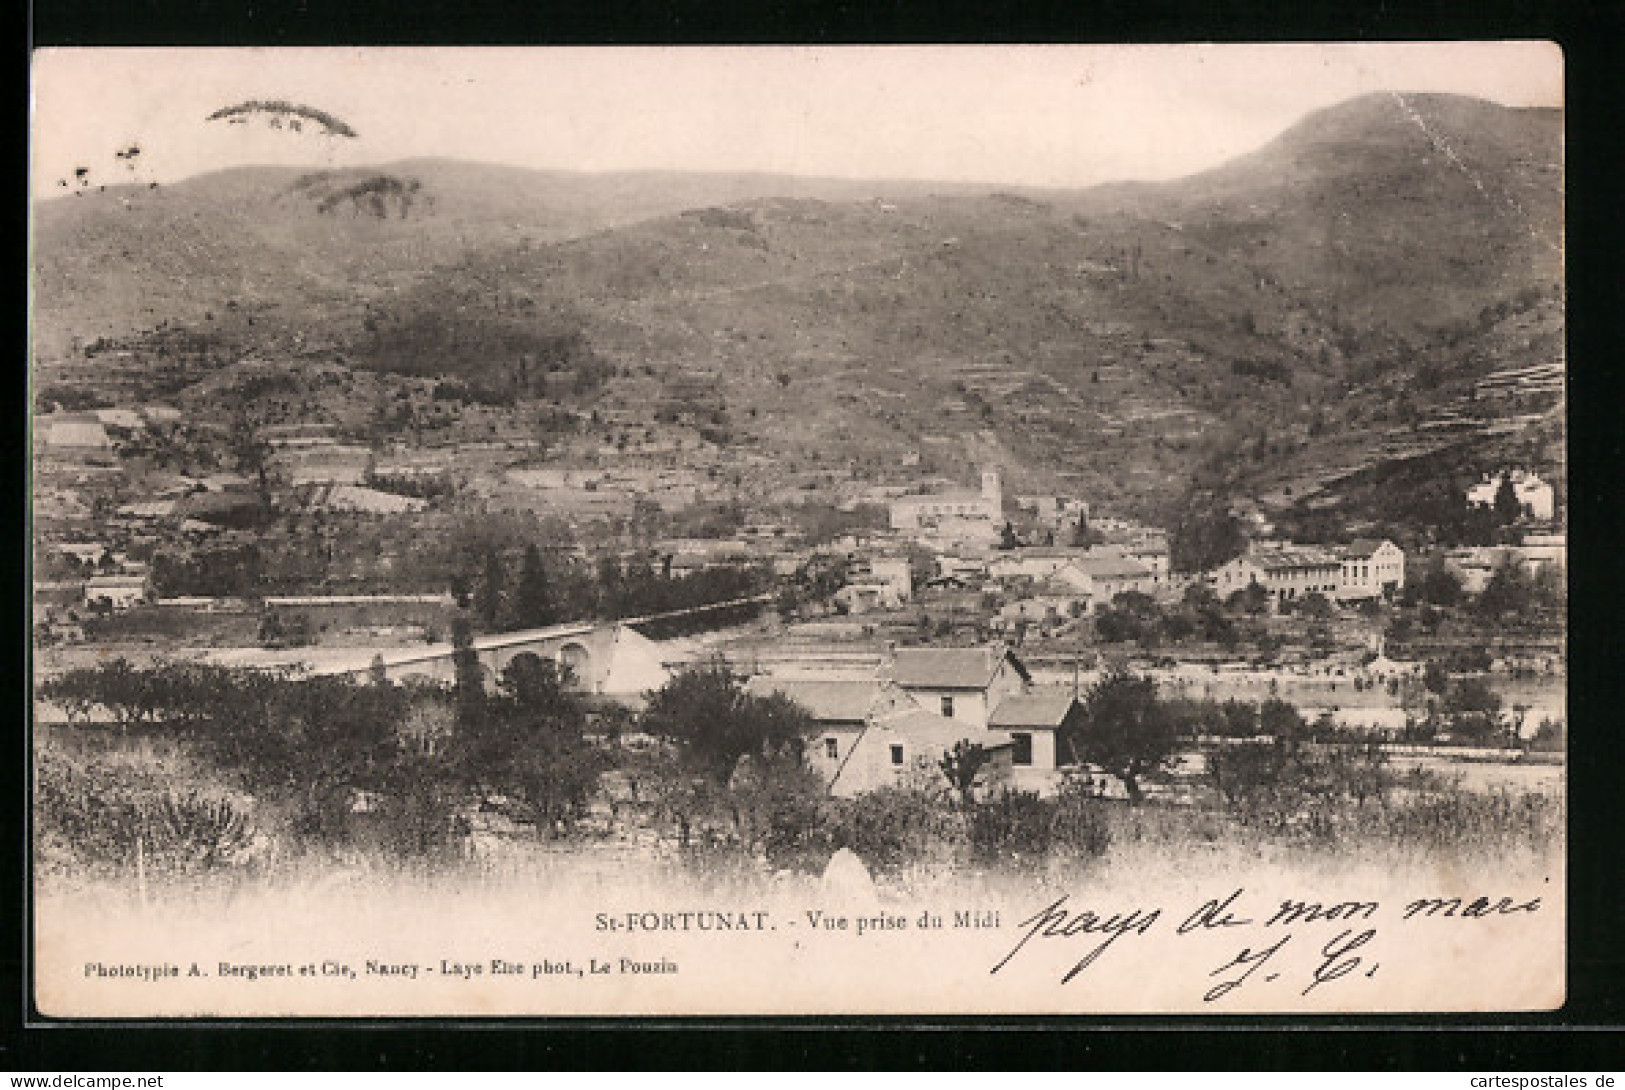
<point x="631" y="532"/>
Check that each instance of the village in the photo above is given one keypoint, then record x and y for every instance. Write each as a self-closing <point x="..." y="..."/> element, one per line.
<point x="903" y="618"/>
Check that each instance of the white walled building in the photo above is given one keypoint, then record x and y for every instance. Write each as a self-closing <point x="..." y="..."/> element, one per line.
<point x="1370" y="569"/>
<point x="1534" y="495"/>
<point x="961" y="514"/>
<point x="893" y="731"/>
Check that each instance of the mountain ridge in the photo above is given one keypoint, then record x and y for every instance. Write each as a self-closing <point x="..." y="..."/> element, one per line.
<point x="1126" y="334"/>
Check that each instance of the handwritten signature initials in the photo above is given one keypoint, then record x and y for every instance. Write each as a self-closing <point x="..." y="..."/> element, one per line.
<point x="1347" y="954"/>
<point x="1248" y="958"/>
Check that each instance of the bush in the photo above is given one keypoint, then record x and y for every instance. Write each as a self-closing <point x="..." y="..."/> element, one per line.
<point x="893" y="827"/>
<point x="196" y="830"/>
<point x="1079" y="826"/>
<point x="798" y="836"/>
<point x="1457" y="823"/>
<point x="100" y="812"/>
<point x="1011" y="827"/>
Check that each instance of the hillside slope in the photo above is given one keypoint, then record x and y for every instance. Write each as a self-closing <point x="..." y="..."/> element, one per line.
<point x="1305" y="304"/>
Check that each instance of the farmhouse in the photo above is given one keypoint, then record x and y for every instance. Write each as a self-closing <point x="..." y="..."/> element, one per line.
<point x="1031" y="721"/>
<point x="894" y="729"/>
<point x="902" y="748"/>
<point x="1102" y="576"/>
<point x="959" y="683"/>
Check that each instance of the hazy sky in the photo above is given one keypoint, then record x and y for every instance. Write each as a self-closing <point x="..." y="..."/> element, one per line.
<point x="1042" y="115"/>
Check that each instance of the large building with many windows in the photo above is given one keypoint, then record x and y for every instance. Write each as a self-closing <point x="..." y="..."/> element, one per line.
<point x="961" y="515"/>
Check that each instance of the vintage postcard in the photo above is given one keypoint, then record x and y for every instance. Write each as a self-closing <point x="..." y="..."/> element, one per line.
<point x="798" y="531"/>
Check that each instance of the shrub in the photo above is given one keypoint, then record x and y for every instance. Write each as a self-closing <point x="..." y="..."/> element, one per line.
<point x="1488" y="825"/>
<point x="894" y="827"/>
<point x="1011" y="827"/>
<point x="1079" y="825"/>
<point x="195" y="830"/>
<point x="420" y="815"/>
<point x="798" y="836"/>
<point x="102" y="812"/>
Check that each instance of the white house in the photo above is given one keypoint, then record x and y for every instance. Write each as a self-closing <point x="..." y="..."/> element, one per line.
<point x="76" y="431"/>
<point x="1370" y="569"/>
<point x="886" y="731"/>
<point x="1535" y="496"/>
<point x="960" y="683"/>
<point x="1032" y="721"/>
<point x="877" y="584"/>
<point x="116" y="591"/>
<point x="905" y="748"/>
<point x="1103" y="576"/>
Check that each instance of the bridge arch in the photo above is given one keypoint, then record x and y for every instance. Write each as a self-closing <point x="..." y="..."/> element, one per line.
<point x="576" y="663"/>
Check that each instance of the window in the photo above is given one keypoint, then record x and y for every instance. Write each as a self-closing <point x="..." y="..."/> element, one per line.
<point x="1024" y="749"/>
<point x="897" y="755"/>
<point x="832" y="748"/>
<point x="947" y="707"/>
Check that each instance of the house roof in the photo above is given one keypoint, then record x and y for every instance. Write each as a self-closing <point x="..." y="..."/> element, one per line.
<point x="1110" y="567"/>
<point x="77" y="432"/>
<point x="829" y="701"/>
<point x="950" y="667"/>
<point x="1039" y="708"/>
<point x="924" y="728"/>
<point x="1288" y="559"/>
<point x="109" y="581"/>
<point x="1364" y="546"/>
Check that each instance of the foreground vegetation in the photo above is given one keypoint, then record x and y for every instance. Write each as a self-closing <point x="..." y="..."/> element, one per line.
<point x="208" y="773"/>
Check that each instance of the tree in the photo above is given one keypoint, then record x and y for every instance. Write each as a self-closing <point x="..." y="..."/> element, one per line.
<point x="1509" y="591"/>
<point x="706" y="711"/>
<point x="1007" y="537"/>
<point x="1507" y="507"/>
<point x="1435" y="678"/>
<point x="1200" y="596"/>
<point x="1125" y="728"/>
<point x="1315" y="605"/>
<point x="1206" y="536"/>
<point x="1473" y="709"/>
<point x="488" y="598"/>
<point x="469" y="686"/>
<point x="962" y="765"/>
<point x="251" y="452"/>
<point x="1252" y="599"/>
<point x="1281" y="720"/>
<point x="1084" y="535"/>
<point x="529" y="747"/>
<point x="922" y="565"/>
<point x="533" y="597"/>
<point x="1436" y="584"/>
<point x="1132" y="615"/>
